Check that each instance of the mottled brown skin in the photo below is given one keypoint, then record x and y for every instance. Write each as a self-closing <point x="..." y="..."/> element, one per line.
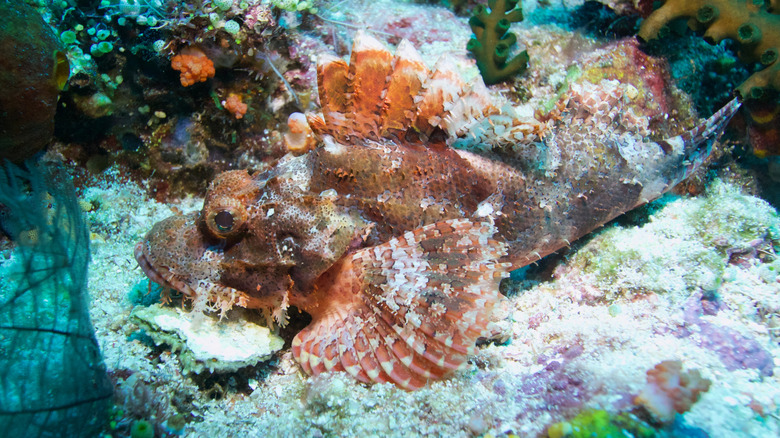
<point x="382" y="191"/>
<point x="395" y="242"/>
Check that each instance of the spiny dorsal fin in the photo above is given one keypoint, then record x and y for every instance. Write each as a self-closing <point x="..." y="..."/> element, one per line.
<point x="333" y="86"/>
<point x="406" y="81"/>
<point x="379" y="95"/>
<point x="369" y="68"/>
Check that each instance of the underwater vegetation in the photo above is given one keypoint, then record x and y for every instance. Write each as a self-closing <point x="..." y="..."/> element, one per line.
<point x="53" y="380"/>
<point x="493" y="41"/>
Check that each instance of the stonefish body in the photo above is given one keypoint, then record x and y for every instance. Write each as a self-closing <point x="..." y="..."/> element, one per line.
<point x="394" y="241"/>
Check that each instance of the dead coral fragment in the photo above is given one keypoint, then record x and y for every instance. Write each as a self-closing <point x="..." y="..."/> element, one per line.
<point x="205" y="342"/>
<point x="669" y="390"/>
<point x="749" y="23"/>
<point x="493" y="40"/>
<point x="194" y="66"/>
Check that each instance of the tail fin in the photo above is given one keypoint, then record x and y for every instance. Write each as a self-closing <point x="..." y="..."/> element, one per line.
<point x="409" y="310"/>
<point x="695" y="145"/>
<point x="681" y="155"/>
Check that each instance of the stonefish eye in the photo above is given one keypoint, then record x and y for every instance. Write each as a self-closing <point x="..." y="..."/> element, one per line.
<point x="224" y="221"/>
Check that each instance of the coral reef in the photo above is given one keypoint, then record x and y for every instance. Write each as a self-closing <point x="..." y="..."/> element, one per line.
<point x="602" y="349"/>
<point x="235" y="105"/>
<point x="124" y="101"/>
<point x="493" y="41"/>
<point x="194" y="66"/>
<point x="753" y="25"/>
<point x="601" y="424"/>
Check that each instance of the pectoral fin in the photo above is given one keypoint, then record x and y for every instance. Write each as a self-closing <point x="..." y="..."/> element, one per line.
<point x="409" y="310"/>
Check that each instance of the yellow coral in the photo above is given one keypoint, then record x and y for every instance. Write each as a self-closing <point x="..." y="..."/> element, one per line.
<point x="748" y="22"/>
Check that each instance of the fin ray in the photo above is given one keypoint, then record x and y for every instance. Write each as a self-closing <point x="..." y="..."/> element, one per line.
<point x="408" y="310"/>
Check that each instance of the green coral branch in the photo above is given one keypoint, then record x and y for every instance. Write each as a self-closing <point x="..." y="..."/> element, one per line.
<point x="748" y="22"/>
<point x="493" y="40"/>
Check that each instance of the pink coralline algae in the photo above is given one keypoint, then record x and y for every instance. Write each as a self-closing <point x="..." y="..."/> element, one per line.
<point x="259" y="17"/>
<point x="556" y="386"/>
<point x="734" y="349"/>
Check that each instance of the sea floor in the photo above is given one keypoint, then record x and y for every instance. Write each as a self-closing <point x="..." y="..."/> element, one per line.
<point x="692" y="280"/>
<point x="685" y="281"/>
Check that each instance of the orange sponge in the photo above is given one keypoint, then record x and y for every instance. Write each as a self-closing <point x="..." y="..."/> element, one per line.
<point x="194" y="66"/>
<point x="235" y="106"/>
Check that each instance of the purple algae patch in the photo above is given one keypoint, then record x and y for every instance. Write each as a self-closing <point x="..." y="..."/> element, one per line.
<point x="735" y="350"/>
<point x="554" y="386"/>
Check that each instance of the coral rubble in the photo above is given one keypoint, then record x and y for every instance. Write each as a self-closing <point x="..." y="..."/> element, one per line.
<point x="206" y="344"/>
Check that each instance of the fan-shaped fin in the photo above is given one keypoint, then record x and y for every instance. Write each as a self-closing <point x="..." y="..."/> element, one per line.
<point x="407" y="311"/>
<point x="378" y="95"/>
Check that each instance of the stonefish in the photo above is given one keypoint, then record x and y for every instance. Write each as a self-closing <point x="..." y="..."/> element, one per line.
<point x="393" y="240"/>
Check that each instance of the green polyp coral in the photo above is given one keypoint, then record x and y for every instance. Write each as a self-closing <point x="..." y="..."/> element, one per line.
<point x="601" y="424"/>
<point x="748" y="22"/>
<point x="492" y="41"/>
<point x="142" y="429"/>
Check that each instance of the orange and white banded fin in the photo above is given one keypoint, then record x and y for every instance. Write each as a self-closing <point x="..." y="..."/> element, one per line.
<point x="369" y="68"/>
<point x="406" y="81"/>
<point x="378" y="95"/>
<point x="409" y="310"/>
